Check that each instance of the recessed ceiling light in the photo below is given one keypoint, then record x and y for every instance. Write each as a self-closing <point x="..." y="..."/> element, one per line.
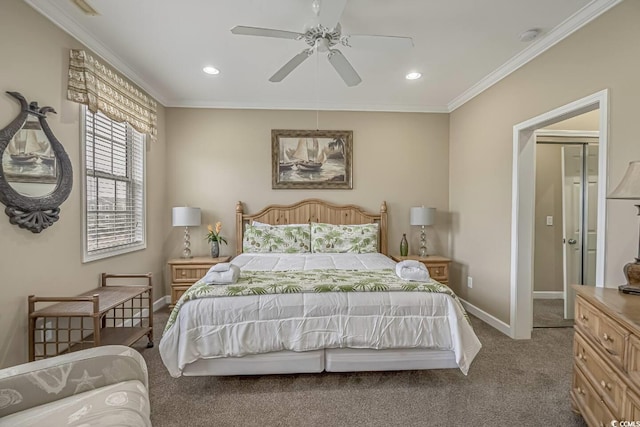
<point x="413" y="76"/>
<point x="211" y="70"/>
<point x="529" y="35"/>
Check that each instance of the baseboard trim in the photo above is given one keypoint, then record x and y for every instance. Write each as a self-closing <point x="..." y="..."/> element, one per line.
<point x="548" y="295"/>
<point x="487" y="318"/>
<point x="161" y="302"/>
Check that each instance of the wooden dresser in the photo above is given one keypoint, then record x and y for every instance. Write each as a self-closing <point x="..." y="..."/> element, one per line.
<point x="187" y="271"/>
<point x="438" y="266"/>
<point x="606" y="355"/>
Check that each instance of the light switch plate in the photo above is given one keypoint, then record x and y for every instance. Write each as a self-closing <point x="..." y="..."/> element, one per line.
<point x="549" y="220"/>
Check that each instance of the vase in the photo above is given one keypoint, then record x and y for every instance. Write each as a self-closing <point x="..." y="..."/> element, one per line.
<point x="215" y="249"/>
<point x="404" y="246"/>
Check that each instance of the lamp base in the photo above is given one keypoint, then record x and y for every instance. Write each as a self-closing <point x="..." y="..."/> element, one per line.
<point x="632" y="273"/>
<point x="626" y="289"/>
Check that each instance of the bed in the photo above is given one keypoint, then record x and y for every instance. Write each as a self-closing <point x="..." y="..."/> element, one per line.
<point x="323" y="300"/>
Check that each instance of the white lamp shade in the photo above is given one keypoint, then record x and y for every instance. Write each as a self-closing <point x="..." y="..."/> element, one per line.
<point x="629" y="187"/>
<point x="423" y="216"/>
<point x="184" y="216"/>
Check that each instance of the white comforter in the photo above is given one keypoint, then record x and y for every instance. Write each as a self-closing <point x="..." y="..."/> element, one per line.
<point x="237" y="326"/>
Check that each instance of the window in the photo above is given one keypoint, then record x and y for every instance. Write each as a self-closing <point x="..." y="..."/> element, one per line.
<point x="114" y="187"/>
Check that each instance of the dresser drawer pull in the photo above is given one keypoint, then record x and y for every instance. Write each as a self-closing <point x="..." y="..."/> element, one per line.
<point x="584" y="318"/>
<point x="580" y="390"/>
<point x="605" y="385"/>
<point x="607" y="337"/>
<point x="184" y="273"/>
<point x="582" y="357"/>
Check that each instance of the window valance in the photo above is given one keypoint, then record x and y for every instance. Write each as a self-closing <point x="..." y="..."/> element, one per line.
<point x="103" y="89"/>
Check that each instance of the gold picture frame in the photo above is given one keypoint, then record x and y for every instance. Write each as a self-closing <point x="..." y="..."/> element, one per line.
<point x="311" y="159"/>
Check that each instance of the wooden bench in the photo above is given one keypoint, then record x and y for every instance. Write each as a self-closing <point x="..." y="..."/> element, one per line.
<point x="110" y="314"/>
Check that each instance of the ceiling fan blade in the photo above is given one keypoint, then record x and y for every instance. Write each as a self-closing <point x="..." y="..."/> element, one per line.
<point x="344" y="68"/>
<point x="377" y="42"/>
<point x="290" y="66"/>
<point x="330" y="12"/>
<point x="265" y="32"/>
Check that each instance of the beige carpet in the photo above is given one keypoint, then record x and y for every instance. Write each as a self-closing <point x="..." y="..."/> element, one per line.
<point x="549" y="313"/>
<point x="511" y="383"/>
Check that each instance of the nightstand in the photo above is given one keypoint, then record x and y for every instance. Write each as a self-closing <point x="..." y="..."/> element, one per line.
<point x="187" y="271"/>
<point x="438" y="266"/>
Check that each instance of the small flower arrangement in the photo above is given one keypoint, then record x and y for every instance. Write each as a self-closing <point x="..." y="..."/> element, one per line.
<point x="214" y="234"/>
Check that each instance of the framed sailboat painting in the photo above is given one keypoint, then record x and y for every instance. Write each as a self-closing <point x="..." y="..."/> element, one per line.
<point x="311" y="159"/>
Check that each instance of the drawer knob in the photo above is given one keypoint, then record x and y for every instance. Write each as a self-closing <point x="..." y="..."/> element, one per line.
<point x="184" y="273"/>
<point x="582" y="357"/>
<point x="584" y="318"/>
<point x="605" y="385"/>
<point x="606" y="337"/>
<point x="580" y="390"/>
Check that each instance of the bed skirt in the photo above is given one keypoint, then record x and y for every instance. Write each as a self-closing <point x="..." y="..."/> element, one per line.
<point x="330" y="360"/>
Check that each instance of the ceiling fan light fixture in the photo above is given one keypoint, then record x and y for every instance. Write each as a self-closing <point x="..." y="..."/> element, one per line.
<point x="211" y="70"/>
<point x="414" y="75"/>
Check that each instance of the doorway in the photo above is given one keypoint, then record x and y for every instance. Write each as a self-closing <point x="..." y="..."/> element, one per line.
<point x="565" y="236"/>
<point x="523" y="203"/>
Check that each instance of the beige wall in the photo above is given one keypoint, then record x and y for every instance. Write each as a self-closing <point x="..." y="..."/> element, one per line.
<point x="547" y="258"/>
<point x="604" y="54"/>
<point x="218" y="157"/>
<point x="49" y="264"/>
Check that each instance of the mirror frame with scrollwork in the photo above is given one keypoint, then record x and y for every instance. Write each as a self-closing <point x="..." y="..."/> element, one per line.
<point x="34" y="213"/>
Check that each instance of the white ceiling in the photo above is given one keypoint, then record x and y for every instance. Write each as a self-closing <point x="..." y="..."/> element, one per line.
<point x="460" y="46"/>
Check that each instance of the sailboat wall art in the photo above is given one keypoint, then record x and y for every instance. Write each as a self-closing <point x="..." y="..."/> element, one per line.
<point x="311" y="159"/>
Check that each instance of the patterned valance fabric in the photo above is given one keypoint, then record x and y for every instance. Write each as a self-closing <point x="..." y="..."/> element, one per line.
<point x="103" y="89"/>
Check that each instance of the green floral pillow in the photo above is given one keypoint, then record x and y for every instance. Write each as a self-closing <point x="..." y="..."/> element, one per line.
<point x="277" y="239"/>
<point x="329" y="238"/>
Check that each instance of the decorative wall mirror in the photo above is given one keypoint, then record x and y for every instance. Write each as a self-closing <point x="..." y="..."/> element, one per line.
<point x="35" y="171"/>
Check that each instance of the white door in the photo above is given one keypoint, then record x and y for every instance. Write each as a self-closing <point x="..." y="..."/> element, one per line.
<point x="579" y="218"/>
<point x="591" y="216"/>
<point x="571" y="223"/>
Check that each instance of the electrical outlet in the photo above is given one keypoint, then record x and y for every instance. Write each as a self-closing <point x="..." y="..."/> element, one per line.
<point x="469" y="282"/>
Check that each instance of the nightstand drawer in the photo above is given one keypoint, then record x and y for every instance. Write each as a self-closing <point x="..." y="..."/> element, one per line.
<point x="176" y="293"/>
<point x="439" y="271"/>
<point x="189" y="273"/>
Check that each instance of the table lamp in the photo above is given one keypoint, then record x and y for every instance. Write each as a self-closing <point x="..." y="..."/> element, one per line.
<point x="629" y="189"/>
<point x="184" y="216"/>
<point x="423" y="216"/>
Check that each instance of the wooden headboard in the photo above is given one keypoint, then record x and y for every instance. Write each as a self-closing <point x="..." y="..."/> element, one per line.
<point x="312" y="210"/>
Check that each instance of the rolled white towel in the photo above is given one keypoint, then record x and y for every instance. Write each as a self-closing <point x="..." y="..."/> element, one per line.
<point x="412" y="270"/>
<point x="227" y="277"/>
<point x="223" y="266"/>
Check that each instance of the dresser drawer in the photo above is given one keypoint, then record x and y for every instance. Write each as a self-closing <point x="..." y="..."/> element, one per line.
<point x="604" y="380"/>
<point x="586" y="317"/>
<point x="608" y="335"/>
<point x="592" y="407"/>
<point x="189" y="273"/>
<point x="632" y="365"/>
<point x="631" y="407"/>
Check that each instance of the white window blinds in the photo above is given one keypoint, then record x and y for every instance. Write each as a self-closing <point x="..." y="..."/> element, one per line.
<point x="114" y="187"/>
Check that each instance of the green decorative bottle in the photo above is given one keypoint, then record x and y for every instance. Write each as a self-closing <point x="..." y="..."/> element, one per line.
<point x="404" y="245"/>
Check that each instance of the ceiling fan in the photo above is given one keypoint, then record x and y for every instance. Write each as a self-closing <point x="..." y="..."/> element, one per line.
<point x="322" y="38"/>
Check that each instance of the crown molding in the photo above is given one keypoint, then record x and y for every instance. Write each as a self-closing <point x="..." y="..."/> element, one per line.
<point x="59" y="17"/>
<point x="559" y="33"/>
<point x="188" y="103"/>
